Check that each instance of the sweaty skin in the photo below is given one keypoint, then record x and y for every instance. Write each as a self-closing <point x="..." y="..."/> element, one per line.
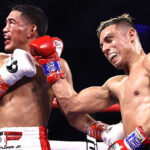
<point x="26" y="104"/>
<point x="134" y="98"/>
<point x="123" y="50"/>
<point x="29" y="102"/>
<point x="133" y="89"/>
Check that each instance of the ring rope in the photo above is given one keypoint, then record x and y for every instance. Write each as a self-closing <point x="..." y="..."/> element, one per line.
<point x="113" y="108"/>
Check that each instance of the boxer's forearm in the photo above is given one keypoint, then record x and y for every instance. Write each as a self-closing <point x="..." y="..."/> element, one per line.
<point x="80" y="121"/>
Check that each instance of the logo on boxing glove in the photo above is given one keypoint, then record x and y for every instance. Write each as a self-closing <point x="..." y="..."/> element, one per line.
<point x="12" y="65"/>
<point x="116" y="146"/>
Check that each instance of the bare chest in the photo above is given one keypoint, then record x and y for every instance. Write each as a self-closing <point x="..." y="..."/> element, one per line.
<point x="133" y="87"/>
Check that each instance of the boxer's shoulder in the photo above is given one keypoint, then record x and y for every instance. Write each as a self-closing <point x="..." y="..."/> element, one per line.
<point x="63" y="61"/>
<point x="4" y="55"/>
<point x="116" y="79"/>
<point x="146" y="62"/>
<point x="147" y="58"/>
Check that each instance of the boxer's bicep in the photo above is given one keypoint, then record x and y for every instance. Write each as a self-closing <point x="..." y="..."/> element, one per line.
<point x="91" y="100"/>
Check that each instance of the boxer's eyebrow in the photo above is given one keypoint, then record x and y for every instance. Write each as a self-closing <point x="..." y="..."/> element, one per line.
<point x="10" y="20"/>
<point x="105" y="39"/>
<point x="110" y="35"/>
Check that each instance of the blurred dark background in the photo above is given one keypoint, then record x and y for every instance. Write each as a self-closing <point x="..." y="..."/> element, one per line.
<point x="75" y="22"/>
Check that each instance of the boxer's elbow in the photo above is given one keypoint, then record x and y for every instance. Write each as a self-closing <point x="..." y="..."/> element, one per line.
<point x="71" y="109"/>
<point x="71" y="106"/>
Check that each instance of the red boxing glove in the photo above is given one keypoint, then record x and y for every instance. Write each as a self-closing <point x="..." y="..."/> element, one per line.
<point x="107" y="133"/>
<point x="59" y="45"/>
<point x="136" y="140"/>
<point x="44" y="49"/>
<point x="96" y="129"/>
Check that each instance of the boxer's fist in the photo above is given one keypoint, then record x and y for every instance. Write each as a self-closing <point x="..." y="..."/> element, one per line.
<point x="15" y="67"/>
<point x="96" y="129"/>
<point x="59" y="45"/>
<point x="46" y="51"/>
<point x="107" y="133"/>
<point x="113" y="133"/>
<point x="136" y="140"/>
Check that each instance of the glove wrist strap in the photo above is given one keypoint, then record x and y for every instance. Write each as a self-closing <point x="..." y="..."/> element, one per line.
<point x="95" y="129"/>
<point x="50" y="67"/>
<point x="3" y="87"/>
<point x="53" y="71"/>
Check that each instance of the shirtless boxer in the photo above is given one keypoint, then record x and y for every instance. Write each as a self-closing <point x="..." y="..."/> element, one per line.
<point x="26" y="98"/>
<point x="26" y="106"/>
<point x="119" y="41"/>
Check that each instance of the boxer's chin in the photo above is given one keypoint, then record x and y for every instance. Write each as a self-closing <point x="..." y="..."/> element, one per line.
<point x="8" y="49"/>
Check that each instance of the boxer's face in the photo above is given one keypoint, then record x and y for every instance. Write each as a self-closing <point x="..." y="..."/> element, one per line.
<point x="115" y="45"/>
<point x="15" y="31"/>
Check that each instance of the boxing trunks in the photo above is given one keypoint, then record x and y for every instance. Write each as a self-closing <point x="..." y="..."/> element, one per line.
<point x="24" y="138"/>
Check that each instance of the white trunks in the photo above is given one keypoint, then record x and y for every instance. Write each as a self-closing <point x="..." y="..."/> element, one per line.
<point x="24" y="138"/>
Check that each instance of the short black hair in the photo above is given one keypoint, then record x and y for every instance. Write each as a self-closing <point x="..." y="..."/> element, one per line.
<point x="35" y="15"/>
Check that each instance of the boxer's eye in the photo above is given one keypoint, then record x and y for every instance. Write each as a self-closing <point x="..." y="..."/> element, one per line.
<point x="109" y="39"/>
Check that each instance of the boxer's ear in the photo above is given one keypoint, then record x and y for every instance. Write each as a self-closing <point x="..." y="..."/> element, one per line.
<point x="132" y="34"/>
<point x="32" y="31"/>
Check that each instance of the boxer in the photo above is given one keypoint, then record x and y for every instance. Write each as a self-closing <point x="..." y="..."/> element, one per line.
<point x="119" y="41"/>
<point x="26" y="97"/>
<point x="50" y="61"/>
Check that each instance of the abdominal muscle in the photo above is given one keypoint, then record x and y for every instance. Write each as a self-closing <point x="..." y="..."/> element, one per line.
<point x="25" y="104"/>
<point x="136" y="115"/>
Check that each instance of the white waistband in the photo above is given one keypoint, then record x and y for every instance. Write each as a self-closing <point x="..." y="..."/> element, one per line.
<point x="25" y="130"/>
